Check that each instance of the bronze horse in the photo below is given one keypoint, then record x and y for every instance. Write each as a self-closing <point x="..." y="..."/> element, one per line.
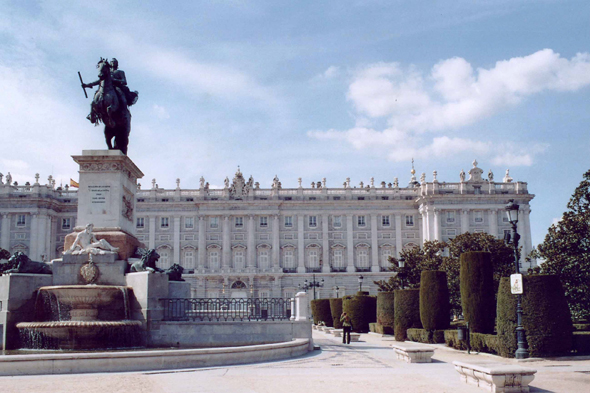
<point x="111" y="108"/>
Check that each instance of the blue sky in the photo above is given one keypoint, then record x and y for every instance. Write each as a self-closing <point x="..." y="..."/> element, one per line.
<point x="308" y="89"/>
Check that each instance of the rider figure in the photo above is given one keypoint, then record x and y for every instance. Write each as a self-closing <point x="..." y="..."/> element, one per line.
<point x="125" y="96"/>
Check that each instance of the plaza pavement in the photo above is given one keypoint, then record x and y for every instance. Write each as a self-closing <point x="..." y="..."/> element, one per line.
<point x="366" y="366"/>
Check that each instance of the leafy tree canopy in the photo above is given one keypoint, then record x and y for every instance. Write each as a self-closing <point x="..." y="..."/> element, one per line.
<point x="432" y="256"/>
<point x="566" y="251"/>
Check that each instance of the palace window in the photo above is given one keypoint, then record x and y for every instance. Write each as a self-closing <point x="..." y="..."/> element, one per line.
<point x="263" y="221"/>
<point x="239" y="259"/>
<point x="214" y="259"/>
<point x="288" y="221"/>
<point x="337" y="221"/>
<point x="164" y="261"/>
<point x="140" y="223"/>
<point x="450" y="216"/>
<point x="165" y="222"/>
<point x="313" y="258"/>
<point x="361" y="221"/>
<point x="263" y="259"/>
<point x="214" y="222"/>
<point x="409" y="221"/>
<point x="385" y="221"/>
<point x="338" y="258"/>
<point x="313" y="221"/>
<point x="21" y="220"/>
<point x="478" y="216"/>
<point x="66" y="223"/>
<point x="288" y="259"/>
<point x="189" y="258"/>
<point x="385" y="255"/>
<point x="363" y="257"/>
<point x="189" y="223"/>
<point x="239" y="221"/>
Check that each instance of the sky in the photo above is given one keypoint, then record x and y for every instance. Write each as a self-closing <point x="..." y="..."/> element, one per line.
<point x="308" y="89"/>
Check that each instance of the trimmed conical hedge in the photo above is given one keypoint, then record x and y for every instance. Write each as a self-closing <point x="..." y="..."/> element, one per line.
<point x="546" y="317"/>
<point x="336" y="310"/>
<point x="320" y="309"/>
<point x="385" y="312"/>
<point x="434" y="300"/>
<point x="362" y="309"/>
<point x="407" y="312"/>
<point x="477" y="291"/>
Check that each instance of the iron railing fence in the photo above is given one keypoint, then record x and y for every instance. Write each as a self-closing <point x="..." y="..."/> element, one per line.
<point x="216" y="309"/>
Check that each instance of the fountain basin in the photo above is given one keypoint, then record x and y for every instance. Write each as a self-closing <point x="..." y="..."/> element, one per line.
<point x="80" y="334"/>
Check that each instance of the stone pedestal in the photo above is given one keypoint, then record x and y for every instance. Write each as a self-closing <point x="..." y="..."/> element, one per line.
<point x="106" y="198"/>
<point x="17" y="303"/>
<point x="66" y="271"/>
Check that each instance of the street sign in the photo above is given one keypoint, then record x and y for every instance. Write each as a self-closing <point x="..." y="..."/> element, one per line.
<point x="516" y="284"/>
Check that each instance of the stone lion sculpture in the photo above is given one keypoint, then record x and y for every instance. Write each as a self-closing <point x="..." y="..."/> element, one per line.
<point x="20" y="263"/>
<point x="148" y="261"/>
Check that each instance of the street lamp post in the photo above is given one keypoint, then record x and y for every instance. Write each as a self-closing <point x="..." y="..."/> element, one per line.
<point x="361" y="283"/>
<point x="512" y="212"/>
<point x="313" y="284"/>
<point x="402" y="273"/>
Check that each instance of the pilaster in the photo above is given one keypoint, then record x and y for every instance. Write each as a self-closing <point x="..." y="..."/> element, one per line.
<point x="226" y="245"/>
<point x="176" y="241"/>
<point x="374" y="245"/>
<point x="152" y="233"/>
<point x="275" y="241"/>
<point x="300" y="244"/>
<point x="202" y="243"/>
<point x="464" y="220"/>
<point x="325" y="245"/>
<point x="349" y="244"/>
<point x="251" y="249"/>
<point x="5" y="232"/>
<point x="398" y="234"/>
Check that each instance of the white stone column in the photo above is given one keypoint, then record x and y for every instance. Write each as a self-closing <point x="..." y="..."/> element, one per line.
<point x="275" y="241"/>
<point x="374" y="244"/>
<point x="398" y="234"/>
<point x="176" y="242"/>
<point x="226" y="245"/>
<point x="33" y="246"/>
<point x="349" y="244"/>
<point x="437" y="224"/>
<point x="325" y="245"/>
<point x="202" y="243"/>
<point x="300" y="244"/>
<point x="429" y="223"/>
<point x="152" y="234"/>
<point x="301" y="305"/>
<point x="494" y="223"/>
<point x="251" y="248"/>
<point x="464" y="220"/>
<point x="5" y="234"/>
<point x="527" y="229"/>
<point x="52" y="239"/>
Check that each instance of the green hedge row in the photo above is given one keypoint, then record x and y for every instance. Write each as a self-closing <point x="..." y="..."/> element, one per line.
<point x="407" y="312"/>
<point x="546" y="317"/>
<point x="479" y="342"/>
<point x="320" y="309"/>
<point x="362" y="309"/>
<point x="385" y="309"/>
<point x="384" y="329"/>
<point x="581" y="343"/>
<point x="426" y="336"/>
<point x="434" y="300"/>
<point x="477" y="291"/>
<point x="336" y="310"/>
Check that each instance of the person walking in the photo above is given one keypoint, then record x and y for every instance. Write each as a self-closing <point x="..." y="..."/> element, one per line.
<point x="346" y="328"/>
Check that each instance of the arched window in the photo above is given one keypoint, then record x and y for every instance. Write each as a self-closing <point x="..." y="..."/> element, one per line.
<point x="338" y="263"/>
<point x="362" y="256"/>
<point x="213" y="254"/>
<point x="165" y="261"/>
<point x="263" y="262"/>
<point x="238" y="285"/>
<point x="386" y="253"/>
<point x="188" y="258"/>
<point x="239" y="258"/>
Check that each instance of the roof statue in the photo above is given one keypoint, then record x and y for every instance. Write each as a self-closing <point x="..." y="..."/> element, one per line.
<point x="110" y="104"/>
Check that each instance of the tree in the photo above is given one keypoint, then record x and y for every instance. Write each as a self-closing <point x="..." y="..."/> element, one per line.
<point x="566" y="251"/>
<point x="431" y="257"/>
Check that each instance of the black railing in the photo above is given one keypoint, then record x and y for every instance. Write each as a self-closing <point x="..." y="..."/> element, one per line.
<point x="201" y="309"/>
<point x="338" y="268"/>
<point x="289" y="270"/>
<point x="316" y="269"/>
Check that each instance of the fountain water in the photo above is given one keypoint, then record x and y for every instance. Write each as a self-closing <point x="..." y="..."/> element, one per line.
<point x="81" y="317"/>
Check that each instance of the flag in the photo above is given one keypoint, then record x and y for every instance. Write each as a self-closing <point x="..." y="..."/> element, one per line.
<point x="74" y="183"/>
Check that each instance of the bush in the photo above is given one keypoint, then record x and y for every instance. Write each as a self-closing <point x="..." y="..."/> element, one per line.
<point x="336" y="311"/>
<point x="426" y="336"/>
<point x="407" y="312"/>
<point x="362" y="310"/>
<point x="546" y="317"/>
<point x="434" y="300"/>
<point x="479" y="342"/>
<point x="320" y="308"/>
<point x="581" y="343"/>
<point x="477" y="291"/>
<point x="384" y="329"/>
<point x="452" y="339"/>
<point x="385" y="308"/>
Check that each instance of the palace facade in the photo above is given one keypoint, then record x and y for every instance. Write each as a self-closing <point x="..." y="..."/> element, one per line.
<point x="247" y="241"/>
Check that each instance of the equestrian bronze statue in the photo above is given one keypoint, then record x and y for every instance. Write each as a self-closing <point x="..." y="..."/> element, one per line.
<point x="110" y="104"/>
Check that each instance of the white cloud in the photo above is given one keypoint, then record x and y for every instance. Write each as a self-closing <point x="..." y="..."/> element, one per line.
<point x="160" y="112"/>
<point x="453" y="95"/>
<point x="331" y="72"/>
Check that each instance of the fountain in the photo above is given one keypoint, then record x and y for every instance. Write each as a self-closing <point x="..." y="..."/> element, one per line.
<point x="71" y="319"/>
